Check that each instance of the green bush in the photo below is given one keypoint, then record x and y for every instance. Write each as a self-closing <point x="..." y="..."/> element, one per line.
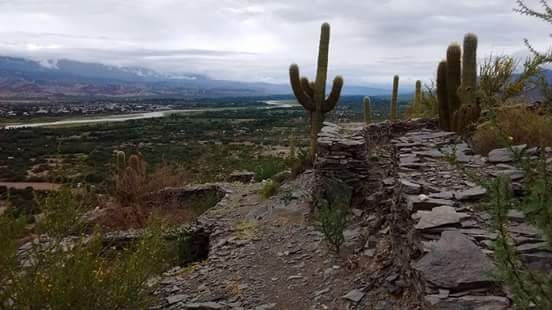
<point x="332" y="204"/>
<point x="331" y="222"/>
<point x="77" y="272"/>
<point x="269" y="189"/>
<point x="268" y="167"/>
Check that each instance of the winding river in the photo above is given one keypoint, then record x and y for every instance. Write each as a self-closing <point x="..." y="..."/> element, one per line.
<point x="270" y="104"/>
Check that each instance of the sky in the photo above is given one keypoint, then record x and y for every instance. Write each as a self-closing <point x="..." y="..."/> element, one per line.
<point x="257" y="40"/>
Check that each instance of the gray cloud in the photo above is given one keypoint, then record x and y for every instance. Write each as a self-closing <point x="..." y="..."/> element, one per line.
<point x="256" y="40"/>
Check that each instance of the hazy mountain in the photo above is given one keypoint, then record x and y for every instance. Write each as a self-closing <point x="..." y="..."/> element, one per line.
<point x="24" y="78"/>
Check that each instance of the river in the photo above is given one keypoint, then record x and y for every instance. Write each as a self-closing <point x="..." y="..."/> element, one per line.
<point x="270" y="104"/>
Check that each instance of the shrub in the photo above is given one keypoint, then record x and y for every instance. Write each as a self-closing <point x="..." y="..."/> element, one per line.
<point x="428" y="107"/>
<point x="132" y="181"/>
<point x="269" y="189"/>
<point x="75" y="272"/>
<point x="332" y="202"/>
<point x="267" y="168"/>
<point x="332" y="222"/>
<point x="531" y="289"/>
<point x="515" y="125"/>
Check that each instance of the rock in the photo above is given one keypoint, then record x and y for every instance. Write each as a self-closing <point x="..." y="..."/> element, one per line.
<point x="469" y="302"/>
<point x="241" y="176"/>
<point x="471" y="194"/>
<point x="423" y="202"/>
<point x="455" y="262"/>
<point x="438" y="216"/>
<point x="513" y="174"/>
<point x="265" y="307"/>
<point x="410" y="187"/>
<point x="176" y="298"/>
<point x="204" y="306"/>
<point x="354" y="295"/>
<point x="504" y="155"/>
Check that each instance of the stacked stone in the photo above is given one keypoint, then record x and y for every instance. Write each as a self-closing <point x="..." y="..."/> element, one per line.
<point x="341" y="155"/>
<point x="383" y="132"/>
<point x="456" y="234"/>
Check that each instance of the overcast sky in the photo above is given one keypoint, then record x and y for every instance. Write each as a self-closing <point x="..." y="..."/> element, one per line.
<point x="256" y="40"/>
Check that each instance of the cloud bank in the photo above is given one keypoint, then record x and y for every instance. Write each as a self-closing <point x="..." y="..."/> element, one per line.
<point x="256" y="40"/>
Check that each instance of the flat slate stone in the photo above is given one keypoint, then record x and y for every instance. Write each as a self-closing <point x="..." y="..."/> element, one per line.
<point x="354" y="295"/>
<point x="455" y="262"/>
<point x="410" y="187"/>
<point x="469" y="302"/>
<point x="474" y="193"/>
<point x="438" y="216"/>
<point x="423" y="202"/>
<point x="504" y="155"/>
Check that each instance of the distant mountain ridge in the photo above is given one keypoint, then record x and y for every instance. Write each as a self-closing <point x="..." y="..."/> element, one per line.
<point x="25" y="78"/>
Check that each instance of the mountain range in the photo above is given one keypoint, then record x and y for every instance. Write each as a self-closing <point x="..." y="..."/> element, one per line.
<point x="56" y="79"/>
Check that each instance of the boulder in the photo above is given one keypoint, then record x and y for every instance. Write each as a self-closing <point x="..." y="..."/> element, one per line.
<point x="455" y="262"/>
<point x="504" y="155"/>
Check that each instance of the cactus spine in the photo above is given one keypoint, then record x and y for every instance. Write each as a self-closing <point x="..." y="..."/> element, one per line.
<point x="442" y="96"/>
<point x="394" y="99"/>
<point x="312" y="96"/>
<point x="367" y="110"/>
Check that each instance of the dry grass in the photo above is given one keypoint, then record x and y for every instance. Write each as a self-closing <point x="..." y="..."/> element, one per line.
<point x="133" y="182"/>
<point x="514" y="125"/>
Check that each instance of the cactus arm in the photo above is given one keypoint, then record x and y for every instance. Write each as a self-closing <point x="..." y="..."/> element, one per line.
<point x="333" y="98"/>
<point x="307" y="86"/>
<point x="298" y="90"/>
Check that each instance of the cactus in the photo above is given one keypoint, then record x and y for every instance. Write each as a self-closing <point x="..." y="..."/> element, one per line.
<point x="312" y="96"/>
<point x="469" y="70"/>
<point x="454" y="53"/>
<point x="457" y="78"/>
<point x="120" y="160"/>
<point x="418" y="96"/>
<point x="367" y="110"/>
<point x="442" y="96"/>
<point x="394" y="99"/>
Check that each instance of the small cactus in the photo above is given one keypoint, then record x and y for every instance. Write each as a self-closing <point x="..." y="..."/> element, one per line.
<point x="442" y="96"/>
<point x="418" y="96"/>
<point x="312" y="95"/>
<point x="394" y="114"/>
<point x="367" y="110"/>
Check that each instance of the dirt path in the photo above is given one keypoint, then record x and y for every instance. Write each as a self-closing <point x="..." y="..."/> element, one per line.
<point x="267" y="254"/>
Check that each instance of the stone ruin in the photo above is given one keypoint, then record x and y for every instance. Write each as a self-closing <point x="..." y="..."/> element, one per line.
<point x="442" y="241"/>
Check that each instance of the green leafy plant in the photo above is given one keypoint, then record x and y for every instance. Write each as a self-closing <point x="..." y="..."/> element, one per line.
<point x="332" y="223"/>
<point x="332" y="203"/>
<point x="269" y="189"/>
<point x="72" y="270"/>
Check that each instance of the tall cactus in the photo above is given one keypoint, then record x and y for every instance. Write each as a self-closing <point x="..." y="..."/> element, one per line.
<point x="367" y="110"/>
<point x="312" y="96"/>
<point x="457" y="79"/>
<point x="394" y="115"/>
<point x="469" y="69"/>
<point x="454" y="54"/>
<point x="442" y="96"/>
